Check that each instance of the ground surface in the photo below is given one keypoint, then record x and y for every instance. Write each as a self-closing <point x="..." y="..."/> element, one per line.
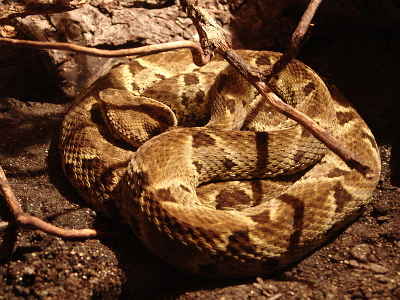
<point x="361" y="263"/>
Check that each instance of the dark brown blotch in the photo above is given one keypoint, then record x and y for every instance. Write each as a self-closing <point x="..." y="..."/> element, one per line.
<point x="336" y="173"/>
<point x="92" y="163"/>
<point x="232" y="199"/>
<point x="298" y="218"/>
<point x="188" y="100"/>
<point x="262" y="153"/>
<point x="262" y="218"/>
<point x="344" y="117"/>
<point x="263" y="60"/>
<point x="95" y="115"/>
<point x="186" y="189"/>
<point x="228" y="163"/>
<point x="135" y="66"/>
<point x="239" y="243"/>
<point x="202" y="139"/>
<point x="309" y="88"/>
<point x="191" y="79"/>
<point x="198" y="166"/>
<point x="288" y="97"/>
<point x="299" y="155"/>
<point x="305" y="134"/>
<point x="166" y="195"/>
<point x="185" y="99"/>
<point x="200" y="95"/>
<point x="231" y="105"/>
<point x="160" y="76"/>
<point x="341" y="196"/>
<point x="371" y="139"/>
<point x="222" y="82"/>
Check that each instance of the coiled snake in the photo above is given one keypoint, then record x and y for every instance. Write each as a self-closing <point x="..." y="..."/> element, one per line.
<point x="210" y="178"/>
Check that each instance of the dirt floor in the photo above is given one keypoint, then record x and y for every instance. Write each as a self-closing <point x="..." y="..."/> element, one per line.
<point x="361" y="263"/>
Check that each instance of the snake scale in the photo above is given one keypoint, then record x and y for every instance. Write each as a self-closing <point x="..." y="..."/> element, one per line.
<point x="208" y="176"/>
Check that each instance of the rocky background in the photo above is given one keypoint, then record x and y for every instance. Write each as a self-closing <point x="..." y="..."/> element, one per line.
<point x="354" y="44"/>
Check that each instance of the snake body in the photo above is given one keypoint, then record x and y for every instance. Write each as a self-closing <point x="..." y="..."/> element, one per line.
<point x="210" y="178"/>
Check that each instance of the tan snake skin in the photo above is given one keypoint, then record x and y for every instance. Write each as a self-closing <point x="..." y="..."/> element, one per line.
<point x="232" y="188"/>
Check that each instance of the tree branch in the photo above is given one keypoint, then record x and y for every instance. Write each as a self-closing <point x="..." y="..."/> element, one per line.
<point x="212" y="36"/>
<point x="198" y="58"/>
<point x="25" y="220"/>
<point x="299" y="37"/>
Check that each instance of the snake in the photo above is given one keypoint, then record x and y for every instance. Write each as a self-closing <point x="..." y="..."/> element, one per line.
<point x="211" y="178"/>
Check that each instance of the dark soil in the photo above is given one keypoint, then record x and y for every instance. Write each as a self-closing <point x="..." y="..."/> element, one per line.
<point x="361" y="263"/>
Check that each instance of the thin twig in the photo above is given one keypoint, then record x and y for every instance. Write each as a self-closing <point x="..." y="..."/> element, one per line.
<point x="24" y="220"/>
<point x="299" y="37"/>
<point x="198" y="58"/>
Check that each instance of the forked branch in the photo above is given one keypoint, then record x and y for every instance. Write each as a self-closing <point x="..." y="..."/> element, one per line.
<point x="23" y="219"/>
